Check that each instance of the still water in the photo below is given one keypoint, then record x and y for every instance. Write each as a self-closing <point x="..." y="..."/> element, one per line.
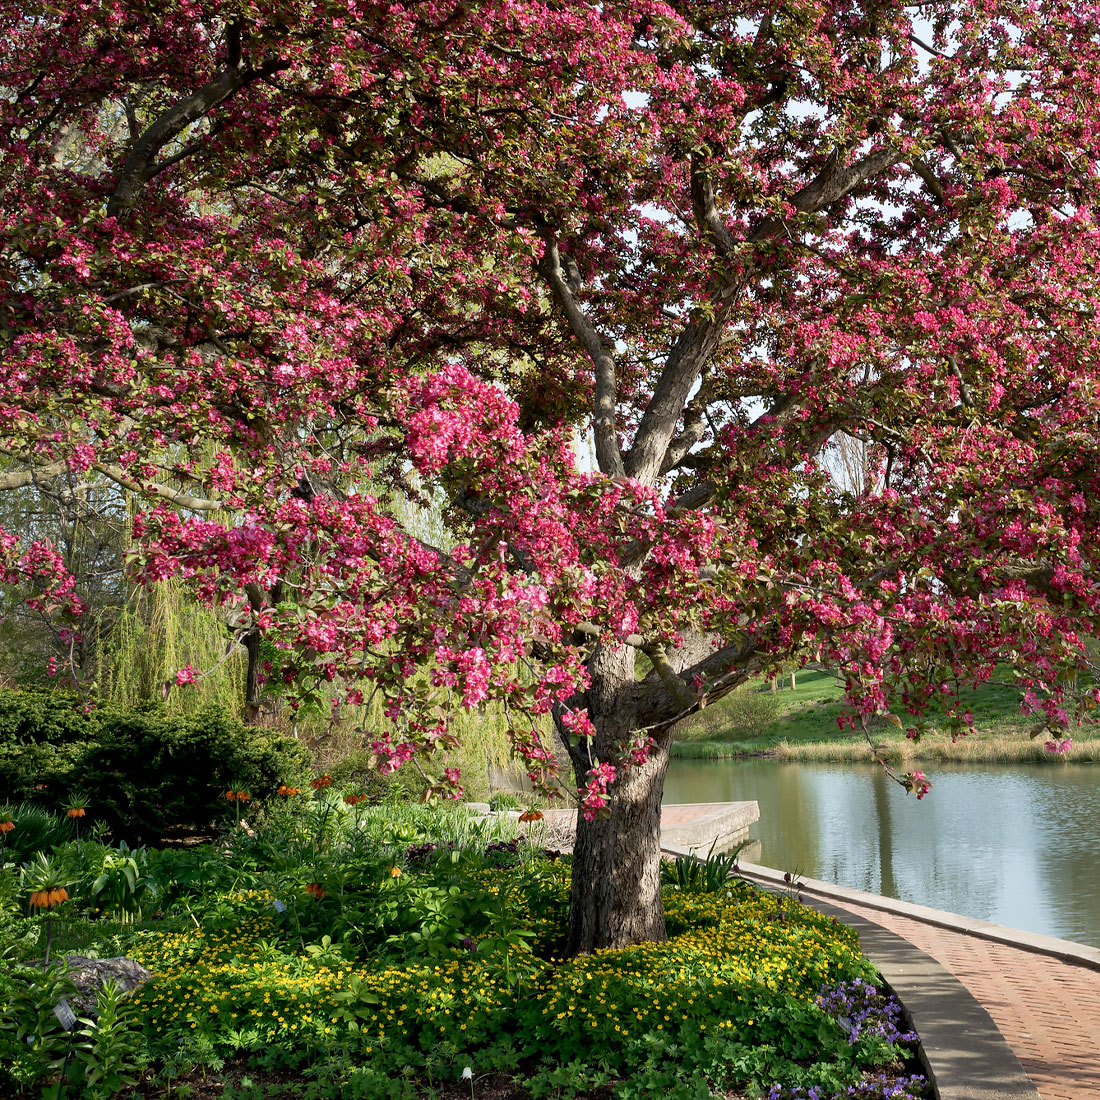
<point x="1015" y="844"/>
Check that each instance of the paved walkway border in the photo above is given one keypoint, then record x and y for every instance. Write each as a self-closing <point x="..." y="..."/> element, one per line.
<point x="964" y="1055"/>
<point x="1066" y="950"/>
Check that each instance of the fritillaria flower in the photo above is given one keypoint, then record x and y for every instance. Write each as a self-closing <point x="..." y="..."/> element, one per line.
<point x="47" y="899"/>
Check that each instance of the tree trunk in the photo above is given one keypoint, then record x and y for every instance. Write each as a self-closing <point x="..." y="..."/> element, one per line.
<point x="251" y="688"/>
<point x="258" y="599"/>
<point x="616" y="893"/>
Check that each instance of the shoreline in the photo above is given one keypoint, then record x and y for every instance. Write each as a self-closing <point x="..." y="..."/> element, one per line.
<point x="983" y="749"/>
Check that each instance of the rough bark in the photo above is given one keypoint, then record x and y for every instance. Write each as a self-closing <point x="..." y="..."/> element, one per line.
<point x="252" y="641"/>
<point x="619" y="860"/>
<point x="618" y="857"/>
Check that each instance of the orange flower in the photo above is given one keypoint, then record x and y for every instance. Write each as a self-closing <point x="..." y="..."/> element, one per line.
<point x="288" y="791"/>
<point x="321" y="781"/>
<point x="395" y="872"/>
<point x="354" y="799"/>
<point x="315" y="889"/>
<point x="47" y="899"/>
<point x="76" y="811"/>
<point x="237" y="796"/>
<point x="6" y="826"/>
<point x="531" y="815"/>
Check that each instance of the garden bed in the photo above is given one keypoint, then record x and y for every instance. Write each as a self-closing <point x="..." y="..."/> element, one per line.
<point x="350" y="953"/>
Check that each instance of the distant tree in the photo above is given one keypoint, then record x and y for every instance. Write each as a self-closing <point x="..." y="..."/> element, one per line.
<point x="307" y="249"/>
<point x="86" y="525"/>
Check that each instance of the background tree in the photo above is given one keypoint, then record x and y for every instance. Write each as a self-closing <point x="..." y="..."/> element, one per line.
<point x="316" y="249"/>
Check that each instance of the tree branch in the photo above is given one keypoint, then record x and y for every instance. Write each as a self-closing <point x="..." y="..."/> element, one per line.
<point x="930" y="180"/>
<point x="139" y="167"/>
<point x="721" y="671"/>
<point x="165" y="492"/>
<point x="964" y="390"/>
<point x="19" y="479"/>
<point x="608" y="455"/>
<point x="833" y="183"/>
<point x="695" y="427"/>
<point x="706" y="214"/>
<point x="695" y="345"/>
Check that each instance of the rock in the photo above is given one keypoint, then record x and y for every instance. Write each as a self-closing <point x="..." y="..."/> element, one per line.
<point x="89" y="975"/>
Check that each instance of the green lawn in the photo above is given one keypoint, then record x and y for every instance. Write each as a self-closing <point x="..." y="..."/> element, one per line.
<point x="802" y="723"/>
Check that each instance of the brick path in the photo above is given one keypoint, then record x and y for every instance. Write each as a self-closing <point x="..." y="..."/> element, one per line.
<point x="1047" y="1010"/>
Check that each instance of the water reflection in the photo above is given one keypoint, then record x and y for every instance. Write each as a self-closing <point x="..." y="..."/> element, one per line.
<point x="1014" y="844"/>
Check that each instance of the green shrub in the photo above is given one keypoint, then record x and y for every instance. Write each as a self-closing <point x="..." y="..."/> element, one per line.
<point x="142" y="770"/>
<point x="150" y="771"/>
<point x="41" y="734"/>
<point x="743" y="714"/>
<point x="356" y="768"/>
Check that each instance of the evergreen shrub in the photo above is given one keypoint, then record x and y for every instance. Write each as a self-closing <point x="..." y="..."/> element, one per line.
<point x="141" y="771"/>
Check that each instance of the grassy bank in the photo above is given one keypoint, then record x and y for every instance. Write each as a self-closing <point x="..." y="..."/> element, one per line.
<point x="801" y="724"/>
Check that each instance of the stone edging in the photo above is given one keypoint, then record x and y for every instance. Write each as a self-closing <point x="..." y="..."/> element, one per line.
<point x="964" y="1055"/>
<point x="1076" y="953"/>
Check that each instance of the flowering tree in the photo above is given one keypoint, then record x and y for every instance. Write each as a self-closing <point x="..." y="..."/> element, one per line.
<point x="273" y="268"/>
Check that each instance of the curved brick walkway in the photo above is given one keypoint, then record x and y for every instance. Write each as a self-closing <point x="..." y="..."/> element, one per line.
<point x="1047" y="1010"/>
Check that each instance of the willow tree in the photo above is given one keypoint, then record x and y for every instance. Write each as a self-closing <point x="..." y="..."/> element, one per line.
<point x="330" y="245"/>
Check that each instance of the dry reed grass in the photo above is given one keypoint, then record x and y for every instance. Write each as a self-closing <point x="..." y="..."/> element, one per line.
<point x="975" y="749"/>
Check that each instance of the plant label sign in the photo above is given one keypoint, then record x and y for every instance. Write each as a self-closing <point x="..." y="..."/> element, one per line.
<point x="278" y="906"/>
<point x="65" y="1015"/>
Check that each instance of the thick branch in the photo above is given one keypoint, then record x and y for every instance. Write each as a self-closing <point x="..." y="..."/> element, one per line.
<point x="140" y="165"/>
<point x="695" y="427"/>
<point x="930" y="180"/>
<point x="964" y="389"/>
<point x="679" y="689"/>
<point x="686" y="361"/>
<point x="174" y="496"/>
<point x="666" y="702"/>
<point x="706" y="214"/>
<point x="831" y="184"/>
<point x="696" y="344"/>
<point x="608" y="455"/>
<point x="19" y="479"/>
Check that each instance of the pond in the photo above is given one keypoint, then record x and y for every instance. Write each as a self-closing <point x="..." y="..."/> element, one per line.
<point x="1015" y="844"/>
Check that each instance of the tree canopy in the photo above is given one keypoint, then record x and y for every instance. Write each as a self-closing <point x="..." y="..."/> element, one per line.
<point x="272" y="269"/>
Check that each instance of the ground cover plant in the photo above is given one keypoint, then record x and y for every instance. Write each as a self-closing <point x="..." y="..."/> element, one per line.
<point x="336" y="949"/>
